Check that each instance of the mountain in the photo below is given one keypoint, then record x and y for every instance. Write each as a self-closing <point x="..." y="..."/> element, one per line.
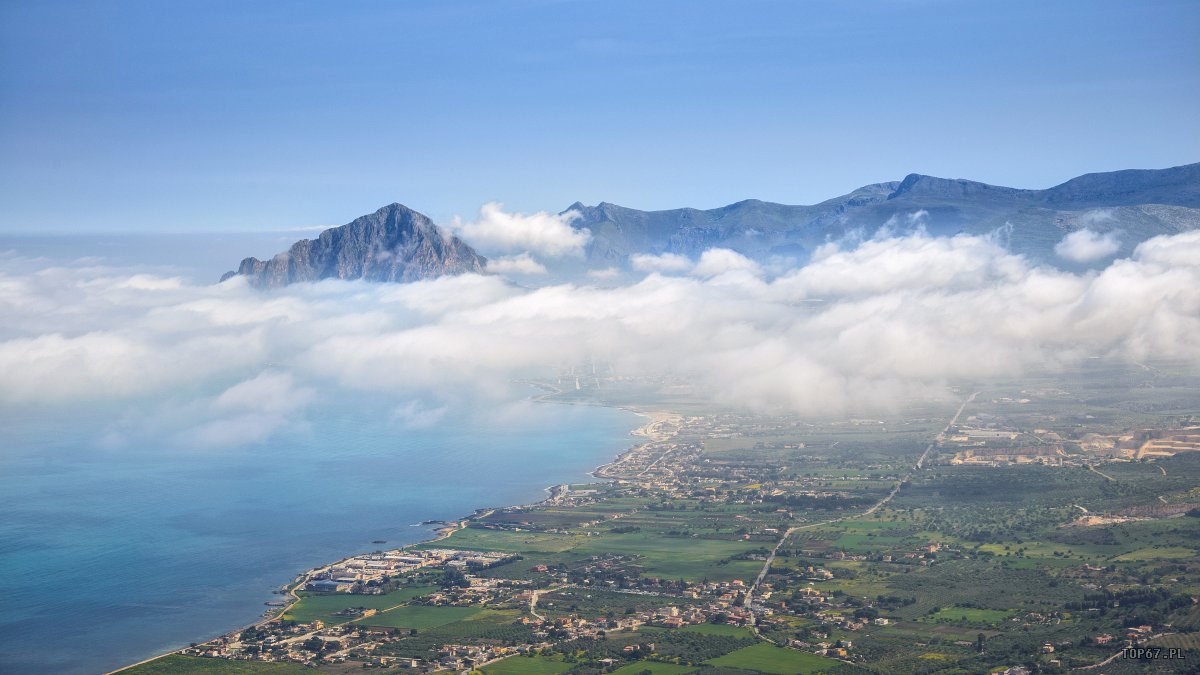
<point x="398" y="244"/>
<point x="393" y="244"/>
<point x="1137" y="204"/>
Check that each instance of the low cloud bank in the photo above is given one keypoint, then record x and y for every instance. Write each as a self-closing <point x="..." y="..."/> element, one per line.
<point x="516" y="264"/>
<point x="859" y="327"/>
<point x="544" y="234"/>
<point x="1083" y="246"/>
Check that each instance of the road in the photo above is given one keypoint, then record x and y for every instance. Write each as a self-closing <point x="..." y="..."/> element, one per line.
<point x="875" y="507"/>
<point x="1116" y="656"/>
<point x="535" y="595"/>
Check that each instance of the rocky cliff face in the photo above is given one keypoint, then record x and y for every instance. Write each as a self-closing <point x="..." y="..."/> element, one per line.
<point x="393" y="244"/>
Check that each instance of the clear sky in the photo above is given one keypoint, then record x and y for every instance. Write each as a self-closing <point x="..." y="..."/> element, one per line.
<point x="194" y="116"/>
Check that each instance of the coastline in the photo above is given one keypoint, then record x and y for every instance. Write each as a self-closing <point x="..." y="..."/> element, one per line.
<point x="647" y="431"/>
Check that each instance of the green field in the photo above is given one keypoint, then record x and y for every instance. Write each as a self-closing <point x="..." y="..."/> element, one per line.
<point x="971" y="615"/>
<point x="181" y="665"/>
<point x="771" y="659"/>
<point x="1157" y="553"/>
<point x="1189" y="641"/>
<point x="420" y="616"/>
<point x="654" y="667"/>
<point x="688" y="558"/>
<point x="597" y="602"/>
<point x="527" y="665"/>
<point x="480" y="539"/>
<point x="326" y="607"/>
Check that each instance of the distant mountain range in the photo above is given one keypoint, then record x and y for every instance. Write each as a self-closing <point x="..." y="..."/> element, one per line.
<point x="1138" y="203"/>
<point x="398" y="244"/>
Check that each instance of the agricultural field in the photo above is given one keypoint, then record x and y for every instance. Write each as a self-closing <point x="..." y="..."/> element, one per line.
<point x="654" y="668"/>
<point x="527" y="665"/>
<point x="686" y="558"/>
<point x="968" y="616"/>
<point x="326" y="607"/>
<point x="766" y="658"/>
<point x="420" y="616"/>
<point x="595" y="602"/>
<point x="476" y="538"/>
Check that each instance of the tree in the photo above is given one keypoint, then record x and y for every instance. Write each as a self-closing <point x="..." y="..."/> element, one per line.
<point x="454" y="578"/>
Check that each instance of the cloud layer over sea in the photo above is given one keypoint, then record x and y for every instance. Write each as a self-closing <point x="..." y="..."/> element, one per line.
<point x="858" y="328"/>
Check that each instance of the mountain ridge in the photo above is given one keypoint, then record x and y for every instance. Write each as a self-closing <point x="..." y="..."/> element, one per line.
<point x="398" y="244"/>
<point x="1135" y="203"/>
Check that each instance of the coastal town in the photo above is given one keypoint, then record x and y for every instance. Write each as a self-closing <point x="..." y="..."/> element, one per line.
<point x="736" y="543"/>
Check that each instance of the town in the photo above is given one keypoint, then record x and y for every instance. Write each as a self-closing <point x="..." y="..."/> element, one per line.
<point x="998" y="532"/>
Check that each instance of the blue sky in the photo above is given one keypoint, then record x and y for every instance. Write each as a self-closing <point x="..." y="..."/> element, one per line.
<point x="197" y="116"/>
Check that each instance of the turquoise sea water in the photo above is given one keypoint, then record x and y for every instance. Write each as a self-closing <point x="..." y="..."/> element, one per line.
<point x="110" y="556"/>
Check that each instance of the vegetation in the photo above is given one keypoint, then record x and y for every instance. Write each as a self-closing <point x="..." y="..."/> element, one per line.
<point x="767" y="658"/>
<point x="333" y="608"/>
<point x="176" y="664"/>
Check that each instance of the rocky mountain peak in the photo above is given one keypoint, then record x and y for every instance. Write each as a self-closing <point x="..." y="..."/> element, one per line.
<point x="395" y="243"/>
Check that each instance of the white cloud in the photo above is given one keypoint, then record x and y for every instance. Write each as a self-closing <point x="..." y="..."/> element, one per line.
<point x="665" y="262"/>
<point x="1097" y="216"/>
<point x="516" y="264"/>
<point x="543" y="233"/>
<point x="1181" y="250"/>
<point x="913" y="220"/>
<point x="717" y="261"/>
<point x="1086" y="245"/>
<point x="606" y="273"/>
<point x="226" y="364"/>
<point x="247" y="413"/>
<point x="915" y="262"/>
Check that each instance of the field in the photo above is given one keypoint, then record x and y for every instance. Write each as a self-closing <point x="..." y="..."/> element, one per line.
<point x="771" y="659"/>
<point x="480" y="539"/>
<point x="653" y="667"/>
<point x="326" y="607"/>
<point x="1189" y="641"/>
<point x="677" y="557"/>
<point x="1157" y="553"/>
<point x="527" y="665"/>
<point x="595" y="602"/>
<point x="419" y="616"/>
<point x="969" y="615"/>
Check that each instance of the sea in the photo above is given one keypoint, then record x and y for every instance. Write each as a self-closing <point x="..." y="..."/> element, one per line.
<point x="110" y="555"/>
